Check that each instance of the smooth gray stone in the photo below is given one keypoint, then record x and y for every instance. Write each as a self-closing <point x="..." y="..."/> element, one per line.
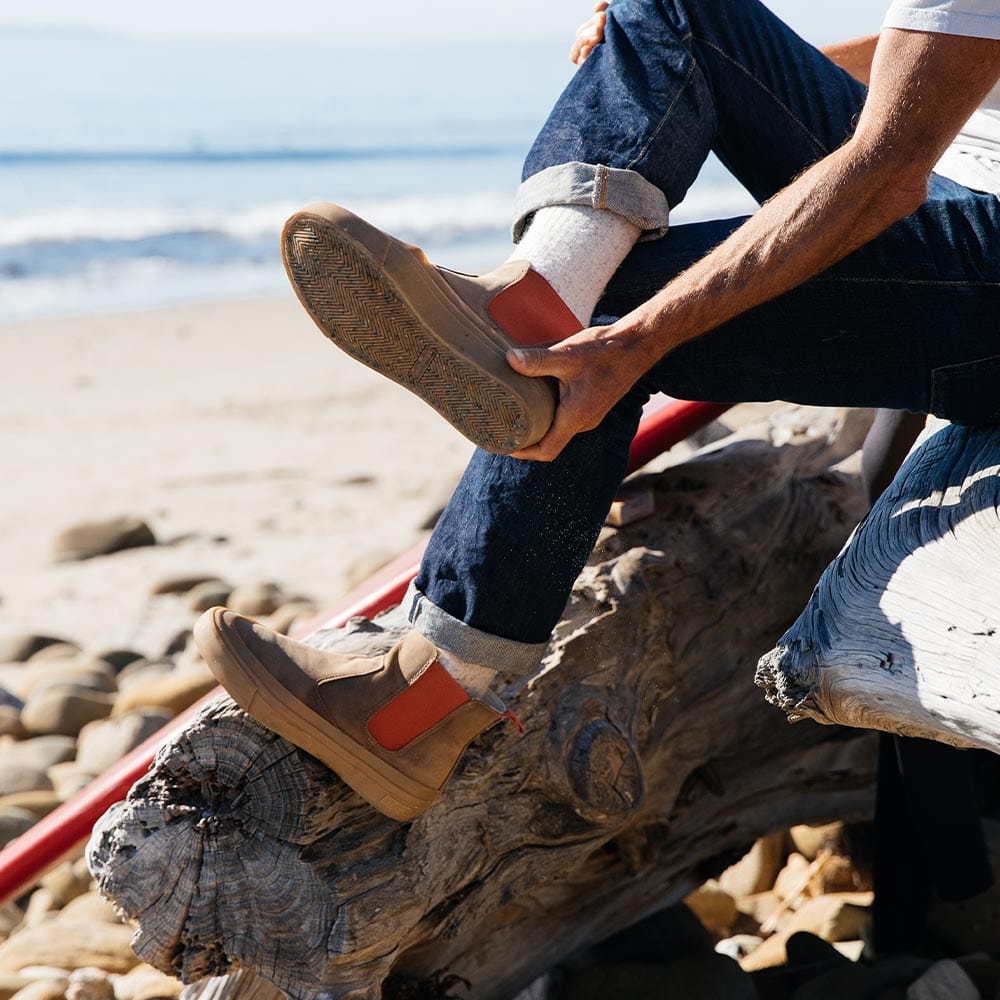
<point x="104" y="742"/>
<point x="98" y="538"/>
<point x="64" y="710"/>
<point x="19" y="646"/>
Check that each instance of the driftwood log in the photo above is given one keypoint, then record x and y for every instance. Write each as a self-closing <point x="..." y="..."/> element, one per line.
<point x="650" y="762"/>
<point x="902" y="632"/>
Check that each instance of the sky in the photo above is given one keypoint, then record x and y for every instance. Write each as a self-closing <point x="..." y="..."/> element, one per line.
<point x="399" y="22"/>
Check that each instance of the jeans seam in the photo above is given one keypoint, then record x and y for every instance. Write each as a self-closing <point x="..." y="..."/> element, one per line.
<point x="613" y="189"/>
<point x="602" y="196"/>
<point x="767" y="90"/>
<point x="666" y="114"/>
<point x="945" y="282"/>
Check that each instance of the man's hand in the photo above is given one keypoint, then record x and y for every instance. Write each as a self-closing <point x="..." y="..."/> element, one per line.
<point x="589" y="34"/>
<point x="594" y="369"/>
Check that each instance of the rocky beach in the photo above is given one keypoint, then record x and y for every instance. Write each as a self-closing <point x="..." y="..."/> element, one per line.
<point x="158" y="463"/>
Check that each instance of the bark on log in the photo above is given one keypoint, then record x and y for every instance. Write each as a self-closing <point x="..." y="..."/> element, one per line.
<point x="649" y="763"/>
<point x="902" y="632"/>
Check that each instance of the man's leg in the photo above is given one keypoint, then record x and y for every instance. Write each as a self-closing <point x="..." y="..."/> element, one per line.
<point x="886" y="446"/>
<point x="671" y="82"/>
<point x="928" y="836"/>
<point x="627" y="136"/>
<point x="512" y="540"/>
<point x="632" y="130"/>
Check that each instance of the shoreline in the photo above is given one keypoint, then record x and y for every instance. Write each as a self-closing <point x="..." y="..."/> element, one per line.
<point x="253" y="448"/>
<point x="82" y="314"/>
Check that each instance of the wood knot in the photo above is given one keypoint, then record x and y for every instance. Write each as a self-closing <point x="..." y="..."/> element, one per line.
<point x="604" y="769"/>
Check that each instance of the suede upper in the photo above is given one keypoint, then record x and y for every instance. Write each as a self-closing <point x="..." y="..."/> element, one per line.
<point x="401" y="703"/>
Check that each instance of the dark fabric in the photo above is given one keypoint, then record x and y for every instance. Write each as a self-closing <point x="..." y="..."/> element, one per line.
<point x="928" y="837"/>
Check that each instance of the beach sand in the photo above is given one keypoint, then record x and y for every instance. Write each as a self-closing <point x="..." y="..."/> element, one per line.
<point x="253" y="448"/>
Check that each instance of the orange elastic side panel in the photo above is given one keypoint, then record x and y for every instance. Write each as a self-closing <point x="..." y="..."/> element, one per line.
<point x="531" y="312"/>
<point x="415" y="710"/>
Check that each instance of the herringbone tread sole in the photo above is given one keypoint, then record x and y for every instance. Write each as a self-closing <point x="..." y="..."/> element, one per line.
<point x="356" y="304"/>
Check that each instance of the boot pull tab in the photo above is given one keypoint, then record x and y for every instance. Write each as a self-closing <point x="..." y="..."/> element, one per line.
<point x="514" y="720"/>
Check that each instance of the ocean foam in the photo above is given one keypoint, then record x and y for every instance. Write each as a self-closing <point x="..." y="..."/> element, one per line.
<point x="427" y="215"/>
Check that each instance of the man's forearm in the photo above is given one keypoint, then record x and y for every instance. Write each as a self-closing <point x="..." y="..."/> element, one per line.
<point x="838" y="205"/>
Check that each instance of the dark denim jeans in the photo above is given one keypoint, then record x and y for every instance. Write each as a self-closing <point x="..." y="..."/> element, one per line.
<point x="910" y="321"/>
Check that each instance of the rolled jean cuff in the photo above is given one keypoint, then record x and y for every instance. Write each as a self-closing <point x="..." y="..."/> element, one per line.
<point x="468" y="643"/>
<point x="621" y="191"/>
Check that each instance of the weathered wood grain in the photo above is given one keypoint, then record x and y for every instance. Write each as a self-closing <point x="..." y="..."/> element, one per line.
<point x="902" y="632"/>
<point x="650" y="761"/>
<point x="241" y="985"/>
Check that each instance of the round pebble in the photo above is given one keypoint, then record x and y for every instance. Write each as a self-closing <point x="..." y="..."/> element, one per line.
<point x="181" y="583"/>
<point x="171" y="692"/>
<point x="91" y="907"/>
<point x="19" y="646"/>
<point x="256" y="599"/>
<point x="104" y="742"/>
<point x="57" y="651"/>
<point x="146" y="983"/>
<point x="89" y="984"/>
<point x="95" y="675"/>
<point x="177" y="643"/>
<point x="118" y="659"/>
<point x="10" y="722"/>
<point x="289" y="615"/>
<point x="97" y="538"/>
<point x="64" y="709"/>
<point x="208" y="594"/>
<point x="66" y="882"/>
<point x="39" y="751"/>
<point x="38" y="802"/>
<point x="68" y="778"/>
<point x="13" y="822"/>
<point x="22" y="778"/>
<point x="69" y="944"/>
<point x="136" y="673"/>
<point x="42" y="989"/>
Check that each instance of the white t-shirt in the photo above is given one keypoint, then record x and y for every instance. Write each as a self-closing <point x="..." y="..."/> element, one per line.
<point x="973" y="158"/>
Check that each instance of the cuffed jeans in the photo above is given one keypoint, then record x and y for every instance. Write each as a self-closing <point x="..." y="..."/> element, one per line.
<point x="909" y="321"/>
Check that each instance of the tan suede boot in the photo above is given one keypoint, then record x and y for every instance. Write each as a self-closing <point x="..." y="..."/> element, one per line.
<point x="440" y="334"/>
<point x="393" y="726"/>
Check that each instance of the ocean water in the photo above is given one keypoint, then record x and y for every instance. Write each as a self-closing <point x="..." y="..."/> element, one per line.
<point x="143" y="172"/>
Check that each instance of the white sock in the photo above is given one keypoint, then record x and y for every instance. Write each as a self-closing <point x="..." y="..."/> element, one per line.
<point x="473" y="677"/>
<point x="577" y="249"/>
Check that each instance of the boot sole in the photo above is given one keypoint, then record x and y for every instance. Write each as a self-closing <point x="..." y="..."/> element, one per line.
<point x="259" y="695"/>
<point x="391" y="311"/>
